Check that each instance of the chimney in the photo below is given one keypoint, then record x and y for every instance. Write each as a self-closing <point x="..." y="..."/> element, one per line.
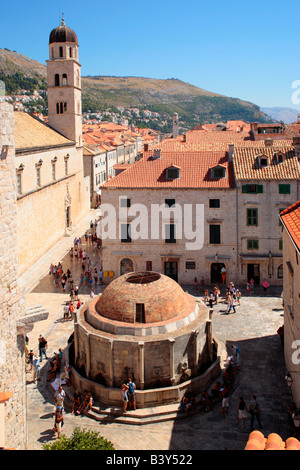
<point x="146" y="147"/>
<point x="269" y="142"/>
<point x="254" y="127"/>
<point x="156" y="154"/>
<point x="230" y="152"/>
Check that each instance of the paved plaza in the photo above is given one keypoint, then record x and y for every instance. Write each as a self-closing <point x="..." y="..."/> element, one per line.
<point x="253" y="328"/>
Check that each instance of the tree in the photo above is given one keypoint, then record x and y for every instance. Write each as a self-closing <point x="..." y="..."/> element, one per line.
<point x="81" y="440"/>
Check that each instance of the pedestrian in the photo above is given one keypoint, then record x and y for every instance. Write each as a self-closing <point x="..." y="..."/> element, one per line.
<point x="238" y="296"/>
<point x="43" y="344"/>
<point x="76" y="291"/>
<point x="30" y="359"/>
<point x="124" y="394"/>
<point x="237" y="353"/>
<point x="195" y="283"/>
<point x="66" y="311"/>
<point x="58" y="421"/>
<point x="211" y="299"/>
<point x="101" y="276"/>
<point x="251" y="285"/>
<point x="225" y="402"/>
<point x="223" y="274"/>
<point x="241" y="412"/>
<point x="265" y="285"/>
<point x="131" y="394"/>
<point x="247" y="288"/>
<point x="254" y="411"/>
<point x="37" y="368"/>
<point x="59" y="397"/>
<point x="230" y="304"/>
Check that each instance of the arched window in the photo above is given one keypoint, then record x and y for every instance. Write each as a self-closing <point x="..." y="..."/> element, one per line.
<point x="56" y="79"/>
<point x="65" y="107"/>
<point x="61" y="109"/>
<point x="126" y="266"/>
<point x="64" y="79"/>
<point x="280" y="272"/>
<point x="71" y="52"/>
<point x="57" y="108"/>
<point x="61" y="52"/>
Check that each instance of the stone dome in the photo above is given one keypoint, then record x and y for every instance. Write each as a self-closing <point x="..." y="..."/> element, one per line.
<point x="144" y="297"/>
<point x="63" y="33"/>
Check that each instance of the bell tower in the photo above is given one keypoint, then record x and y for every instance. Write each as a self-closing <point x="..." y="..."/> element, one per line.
<point x="64" y="83"/>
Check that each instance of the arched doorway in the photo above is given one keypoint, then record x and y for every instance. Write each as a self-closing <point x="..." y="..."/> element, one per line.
<point x="215" y="273"/>
<point x="126" y="266"/>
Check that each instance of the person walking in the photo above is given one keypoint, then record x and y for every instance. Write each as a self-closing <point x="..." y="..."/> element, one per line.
<point x="254" y="412"/>
<point x="241" y="412"/>
<point x="37" y="368"/>
<point x="42" y="347"/>
<point x="237" y="353"/>
<point x="265" y="285"/>
<point x="58" y="421"/>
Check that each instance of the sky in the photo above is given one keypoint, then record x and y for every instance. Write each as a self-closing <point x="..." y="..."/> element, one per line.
<point x="246" y="50"/>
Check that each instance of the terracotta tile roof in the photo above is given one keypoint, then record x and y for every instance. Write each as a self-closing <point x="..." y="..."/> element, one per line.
<point x="257" y="441"/>
<point x="291" y="221"/>
<point x="194" y="172"/>
<point x="246" y="165"/>
<point x="31" y="132"/>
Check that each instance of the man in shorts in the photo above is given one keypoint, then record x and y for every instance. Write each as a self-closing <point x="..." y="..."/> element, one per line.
<point x="131" y="394"/>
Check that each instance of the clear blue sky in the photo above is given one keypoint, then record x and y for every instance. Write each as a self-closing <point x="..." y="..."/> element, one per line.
<point x="249" y="50"/>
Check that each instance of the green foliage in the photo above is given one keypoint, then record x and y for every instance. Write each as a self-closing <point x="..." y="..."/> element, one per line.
<point x="18" y="81"/>
<point x="81" y="439"/>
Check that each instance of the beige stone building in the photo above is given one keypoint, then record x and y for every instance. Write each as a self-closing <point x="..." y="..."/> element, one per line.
<point x="267" y="176"/>
<point x="53" y="193"/>
<point x="185" y="225"/>
<point x="290" y="219"/>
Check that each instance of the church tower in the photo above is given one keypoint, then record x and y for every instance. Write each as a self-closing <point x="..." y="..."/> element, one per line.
<point x="64" y="84"/>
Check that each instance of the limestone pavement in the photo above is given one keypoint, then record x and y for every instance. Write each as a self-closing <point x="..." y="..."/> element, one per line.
<point x="253" y="328"/>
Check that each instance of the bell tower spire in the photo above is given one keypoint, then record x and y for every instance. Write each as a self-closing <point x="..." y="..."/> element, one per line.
<point x="64" y="83"/>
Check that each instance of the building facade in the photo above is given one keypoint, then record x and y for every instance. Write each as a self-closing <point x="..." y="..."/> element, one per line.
<point x="290" y="219"/>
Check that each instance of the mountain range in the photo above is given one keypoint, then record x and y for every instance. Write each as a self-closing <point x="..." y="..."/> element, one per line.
<point x="193" y="104"/>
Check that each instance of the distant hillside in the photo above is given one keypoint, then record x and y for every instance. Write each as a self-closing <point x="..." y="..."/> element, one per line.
<point x="287" y="115"/>
<point x="192" y="104"/>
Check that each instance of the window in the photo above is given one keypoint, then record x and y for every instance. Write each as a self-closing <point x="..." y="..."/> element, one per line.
<point x="71" y="52"/>
<point x="190" y="265"/>
<point x="61" y="53"/>
<point x="172" y="173"/>
<point x="252" y="217"/>
<point x="56" y="79"/>
<point x="64" y="79"/>
<point x="263" y="161"/>
<point x="280" y="272"/>
<point x="252" y="244"/>
<point x="169" y="202"/>
<point x="252" y="188"/>
<point x="53" y="172"/>
<point x="66" y="166"/>
<point x="218" y="172"/>
<point x="284" y="189"/>
<point x="38" y="177"/>
<point x="170" y="233"/>
<point x="125" y="233"/>
<point x="215" y="234"/>
<point x="140" y="313"/>
<point x="280" y="245"/>
<point x="214" y="203"/>
<point x="19" y="183"/>
<point x="125" y="202"/>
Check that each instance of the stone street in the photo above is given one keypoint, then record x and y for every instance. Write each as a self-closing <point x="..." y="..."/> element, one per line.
<point x="253" y="328"/>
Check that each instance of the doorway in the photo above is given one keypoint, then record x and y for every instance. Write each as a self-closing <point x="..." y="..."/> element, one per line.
<point x="253" y="272"/>
<point x="171" y="269"/>
<point x="215" y="273"/>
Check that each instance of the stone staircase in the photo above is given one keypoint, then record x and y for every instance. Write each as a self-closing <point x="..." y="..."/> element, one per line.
<point x="140" y="416"/>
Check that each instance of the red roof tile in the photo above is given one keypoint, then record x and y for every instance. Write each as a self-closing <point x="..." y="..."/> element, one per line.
<point x="291" y="220"/>
<point x="194" y="172"/>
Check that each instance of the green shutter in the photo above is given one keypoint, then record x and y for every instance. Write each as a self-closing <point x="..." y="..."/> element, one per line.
<point x="260" y="188"/>
<point x="244" y="188"/>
